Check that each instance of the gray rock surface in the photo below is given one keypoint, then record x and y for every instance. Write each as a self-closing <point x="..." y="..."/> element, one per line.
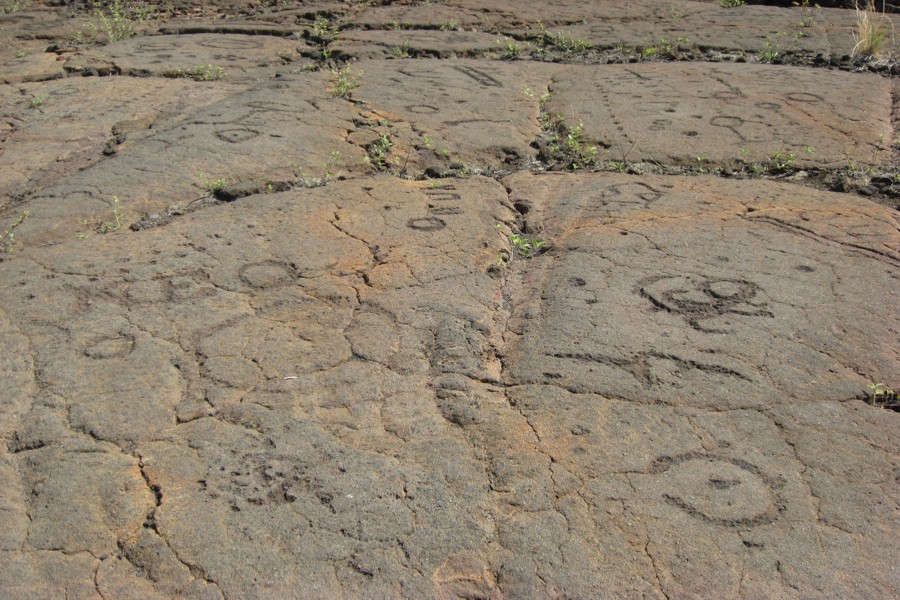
<point x="429" y="300"/>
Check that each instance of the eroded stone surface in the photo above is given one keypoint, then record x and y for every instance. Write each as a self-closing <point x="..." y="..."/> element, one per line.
<point x="293" y="124"/>
<point x="407" y="43"/>
<point x="92" y="116"/>
<point x="201" y="56"/>
<point x="472" y="112"/>
<point x="338" y="376"/>
<point x="722" y="114"/>
<point x="720" y="302"/>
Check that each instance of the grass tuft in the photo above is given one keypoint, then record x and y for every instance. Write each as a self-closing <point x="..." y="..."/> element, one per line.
<point x="874" y="32"/>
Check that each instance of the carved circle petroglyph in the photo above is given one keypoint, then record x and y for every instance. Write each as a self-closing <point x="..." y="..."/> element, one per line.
<point x="267" y="274"/>
<point x="426" y="224"/>
<point x="237" y="135"/>
<point x="422" y="109"/>
<point x="227" y="43"/>
<point x="114" y="346"/>
<point x="719" y="490"/>
<point x="804" y="97"/>
<point x="625" y="192"/>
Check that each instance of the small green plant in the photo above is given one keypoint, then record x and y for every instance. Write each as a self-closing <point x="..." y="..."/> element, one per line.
<point x="565" y="143"/>
<point x="427" y="141"/>
<point x="732" y="3"/>
<point x="329" y="164"/>
<point x="874" y="31"/>
<point x="36" y="102"/>
<point x="770" y="49"/>
<point x="208" y="73"/>
<point x="878" y="390"/>
<point x="8" y="239"/>
<point x="525" y="246"/>
<point x="308" y="181"/>
<point x="378" y="151"/>
<point x="199" y="73"/>
<point x="13" y="6"/>
<point x="512" y="48"/>
<point x="322" y="30"/>
<point x="116" y="224"/>
<point x="774" y="48"/>
<point x="450" y="25"/>
<point x="806" y="14"/>
<point x="618" y="165"/>
<point x="343" y="80"/>
<point x="665" y="48"/>
<point x="401" y="51"/>
<point x="567" y="43"/>
<point x="119" y="19"/>
<point x="212" y="185"/>
<point x="883" y="396"/>
<point x="782" y="161"/>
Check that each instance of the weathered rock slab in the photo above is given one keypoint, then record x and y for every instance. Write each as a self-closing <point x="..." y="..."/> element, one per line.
<point x="416" y="43"/>
<point x="479" y="114"/>
<point x="713" y="318"/>
<point x="727" y="114"/>
<point x="93" y="116"/>
<point x="303" y="364"/>
<point x="201" y="56"/>
<point x="337" y="332"/>
<point x="290" y="127"/>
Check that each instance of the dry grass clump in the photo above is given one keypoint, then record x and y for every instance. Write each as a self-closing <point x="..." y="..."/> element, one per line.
<point x="874" y="32"/>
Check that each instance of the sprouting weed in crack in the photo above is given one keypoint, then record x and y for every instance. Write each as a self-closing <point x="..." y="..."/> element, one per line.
<point x="401" y="51"/>
<point x="565" y="42"/>
<point x="119" y="19"/>
<point x="13" y="6"/>
<point x="322" y="31"/>
<point x="343" y="80"/>
<point x="212" y="185"/>
<point x="308" y="181"/>
<point x="378" y="151"/>
<point x="7" y="240"/>
<point x="207" y="72"/>
<point x="523" y="245"/>
<point x="565" y="144"/>
<point x="117" y="223"/>
<point x="775" y="49"/>
<point x="782" y="161"/>
<point x="807" y="18"/>
<point x="512" y="48"/>
<point x="883" y="396"/>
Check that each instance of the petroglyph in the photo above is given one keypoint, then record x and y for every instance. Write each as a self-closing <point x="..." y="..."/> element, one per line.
<point x="267" y="337"/>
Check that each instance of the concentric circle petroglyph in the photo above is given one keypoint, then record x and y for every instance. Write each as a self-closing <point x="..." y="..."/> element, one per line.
<point x="337" y="377"/>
